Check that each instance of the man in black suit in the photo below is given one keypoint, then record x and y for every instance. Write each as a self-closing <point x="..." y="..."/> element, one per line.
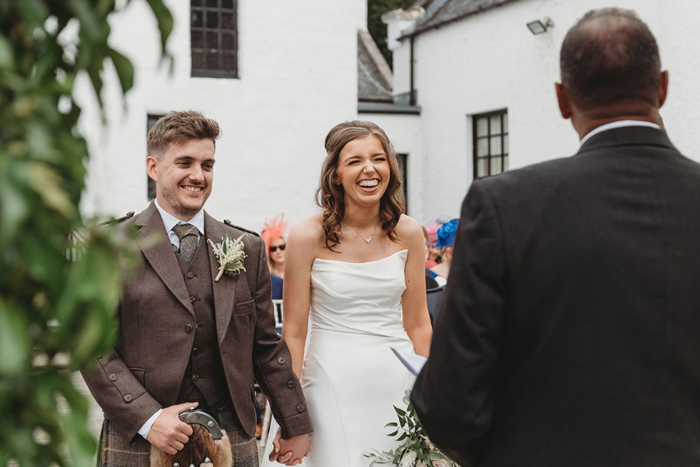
<point x="570" y="330"/>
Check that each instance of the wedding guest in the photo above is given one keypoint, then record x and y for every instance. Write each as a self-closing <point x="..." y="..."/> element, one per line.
<point x="430" y="282"/>
<point x="274" y="235"/>
<point x="568" y="334"/>
<point x="433" y="252"/>
<point x="445" y="241"/>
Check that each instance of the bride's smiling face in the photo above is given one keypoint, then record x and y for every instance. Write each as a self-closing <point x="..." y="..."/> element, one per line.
<point x="363" y="170"/>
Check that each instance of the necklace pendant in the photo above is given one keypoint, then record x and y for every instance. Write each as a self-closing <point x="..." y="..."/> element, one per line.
<point x="367" y="239"/>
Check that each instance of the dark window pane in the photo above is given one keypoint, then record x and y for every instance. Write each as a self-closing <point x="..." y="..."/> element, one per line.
<point x="227" y="42"/>
<point x="212" y="19"/>
<point x="212" y="40"/>
<point x="227" y="4"/>
<point x="228" y="62"/>
<point x="212" y="61"/>
<point x="196" y="18"/>
<point x="227" y="21"/>
<point x="198" y="62"/>
<point x="213" y="3"/>
<point x="197" y="38"/>
<point x="196" y="3"/>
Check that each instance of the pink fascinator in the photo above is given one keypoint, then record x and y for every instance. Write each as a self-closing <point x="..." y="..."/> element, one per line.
<point x="432" y="232"/>
<point x="274" y="229"/>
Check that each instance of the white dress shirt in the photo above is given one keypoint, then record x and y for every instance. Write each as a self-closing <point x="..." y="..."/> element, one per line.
<point x="618" y="124"/>
<point x="171" y="221"/>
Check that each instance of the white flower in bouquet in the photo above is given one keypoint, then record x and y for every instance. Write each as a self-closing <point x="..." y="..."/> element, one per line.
<point x="409" y="459"/>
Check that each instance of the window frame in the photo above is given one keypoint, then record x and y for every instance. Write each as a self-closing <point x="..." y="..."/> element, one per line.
<point x="203" y="9"/>
<point x="504" y="155"/>
<point x="151" y="120"/>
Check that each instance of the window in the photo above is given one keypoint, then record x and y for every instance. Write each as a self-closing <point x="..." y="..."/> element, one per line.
<point x="214" y="38"/>
<point x="490" y="143"/>
<point x="152" y="119"/>
<point x="403" y="171"/>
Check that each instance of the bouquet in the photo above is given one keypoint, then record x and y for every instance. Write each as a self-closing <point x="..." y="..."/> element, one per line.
<point x="416" y="449"/>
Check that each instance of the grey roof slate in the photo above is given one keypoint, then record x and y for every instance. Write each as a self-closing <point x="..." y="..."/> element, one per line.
<point x="441" y="12"/>
<point x="374" y="77"/>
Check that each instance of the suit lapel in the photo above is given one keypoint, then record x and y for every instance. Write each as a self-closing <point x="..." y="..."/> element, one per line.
<point x="224" y="290"/>
<point x="159" y="254"/>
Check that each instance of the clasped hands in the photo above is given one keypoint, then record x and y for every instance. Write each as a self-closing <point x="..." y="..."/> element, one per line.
<point x="170" y="434"/>
<point x="289" y="451"/>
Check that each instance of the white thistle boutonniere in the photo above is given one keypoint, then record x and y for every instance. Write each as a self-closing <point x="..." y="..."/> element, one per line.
<point x="230" y="255"/>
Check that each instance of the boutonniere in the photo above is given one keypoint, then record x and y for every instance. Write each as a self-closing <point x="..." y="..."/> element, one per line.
<point x="230" y="255"/>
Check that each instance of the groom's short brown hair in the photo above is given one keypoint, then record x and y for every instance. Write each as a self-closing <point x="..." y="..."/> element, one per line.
<point x="178" y="128"/>
<point x="608" y="57"/>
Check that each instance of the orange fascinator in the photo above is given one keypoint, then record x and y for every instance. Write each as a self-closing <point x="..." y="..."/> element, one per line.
<point x="273" y="229"/>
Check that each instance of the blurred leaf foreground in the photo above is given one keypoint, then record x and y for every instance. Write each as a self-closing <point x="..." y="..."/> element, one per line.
<point x="60" y="274"/>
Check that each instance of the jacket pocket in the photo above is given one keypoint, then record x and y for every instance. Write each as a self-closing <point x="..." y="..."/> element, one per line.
<point x="244" y="308"/>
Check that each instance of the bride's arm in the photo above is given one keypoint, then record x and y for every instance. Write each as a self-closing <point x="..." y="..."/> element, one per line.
<point x="300" y="254"/>
<point x="416" y="320"/>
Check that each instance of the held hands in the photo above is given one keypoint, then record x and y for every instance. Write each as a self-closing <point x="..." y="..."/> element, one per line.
<point x="289" y="451"/>
<point x="168" y="433"/>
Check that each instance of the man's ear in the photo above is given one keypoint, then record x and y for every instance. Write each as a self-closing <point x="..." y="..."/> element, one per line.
<point x="663" y="88"/>
<point x="563" y="100"/>
<point x="151" y="165"/>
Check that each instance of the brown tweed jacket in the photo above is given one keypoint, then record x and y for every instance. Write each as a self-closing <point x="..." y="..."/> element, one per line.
<point x="156" y="318"/>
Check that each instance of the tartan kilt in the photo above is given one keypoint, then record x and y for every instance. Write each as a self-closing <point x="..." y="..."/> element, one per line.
<point x="116" y="451"/>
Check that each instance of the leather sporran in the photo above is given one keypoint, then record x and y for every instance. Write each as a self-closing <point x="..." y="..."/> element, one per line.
<point x="209" y="446"/>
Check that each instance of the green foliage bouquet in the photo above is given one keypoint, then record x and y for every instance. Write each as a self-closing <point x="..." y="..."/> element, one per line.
<point x="416" y="449"/>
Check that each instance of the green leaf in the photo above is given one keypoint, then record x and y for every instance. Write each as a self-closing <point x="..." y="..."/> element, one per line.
<point x="399" y="411"/>
<point x="14" y="341"/>
<point x="7" y="56"/>
<point x="390" y="424"/>
<point x="124" y="68"/>
<point x="165" y="25"/>
<point x="89" y="22"/>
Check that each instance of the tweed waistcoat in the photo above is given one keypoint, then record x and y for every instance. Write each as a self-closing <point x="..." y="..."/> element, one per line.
<point x="205" y="371"/>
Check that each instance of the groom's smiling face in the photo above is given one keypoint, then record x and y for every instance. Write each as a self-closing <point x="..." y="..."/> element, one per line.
<point x="184" y="175"/>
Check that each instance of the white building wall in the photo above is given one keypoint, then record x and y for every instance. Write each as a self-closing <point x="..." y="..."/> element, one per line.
<point x="491" y="61"/>
<point x="404" y="132"/>
<point x="298" y="78"/>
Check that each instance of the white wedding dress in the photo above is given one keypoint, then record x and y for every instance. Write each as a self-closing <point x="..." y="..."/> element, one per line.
<point x="351" y="378"/>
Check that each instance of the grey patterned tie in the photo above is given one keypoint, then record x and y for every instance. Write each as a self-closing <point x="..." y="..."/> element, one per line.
<point x="187" y="233"/>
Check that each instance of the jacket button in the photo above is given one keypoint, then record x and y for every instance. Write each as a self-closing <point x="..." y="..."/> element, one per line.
<point x="112" y="377"/>
<point x="300" y="408"/>
<point x="291" y="385"/>
<point x="195" y="378"/>
<point x="128" y="398"/>
<point x="193" y="299"/>
<point x="188" y="328"/>
<point x="195" y="351"/>
<point x="281" y="360"/>
<point x="190" y="275"/>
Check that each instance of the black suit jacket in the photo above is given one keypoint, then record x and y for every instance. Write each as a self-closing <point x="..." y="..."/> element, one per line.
<point x="570" y="330"/>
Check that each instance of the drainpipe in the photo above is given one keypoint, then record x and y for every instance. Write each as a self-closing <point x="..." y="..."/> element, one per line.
<point x="412" y="100"/>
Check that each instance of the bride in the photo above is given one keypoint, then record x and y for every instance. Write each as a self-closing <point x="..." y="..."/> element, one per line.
<point x="355" y="273"/>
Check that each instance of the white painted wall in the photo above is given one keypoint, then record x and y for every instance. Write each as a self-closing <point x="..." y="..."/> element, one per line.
<point x="404" y="132"/>
<point x="298" y="78"/>
<point x="491" y="61"/>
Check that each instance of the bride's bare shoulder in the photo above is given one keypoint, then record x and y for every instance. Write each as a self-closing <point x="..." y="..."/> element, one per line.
<point x="408" y="228"/>
<point x="308" y="233"/>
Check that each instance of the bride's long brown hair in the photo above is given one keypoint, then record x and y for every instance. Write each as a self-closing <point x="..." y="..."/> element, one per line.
<point x="331" y="196"/>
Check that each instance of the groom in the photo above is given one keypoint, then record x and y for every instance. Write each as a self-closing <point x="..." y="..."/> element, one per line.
<point x="570" y="330"/>
<point x="186" y="339"/>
